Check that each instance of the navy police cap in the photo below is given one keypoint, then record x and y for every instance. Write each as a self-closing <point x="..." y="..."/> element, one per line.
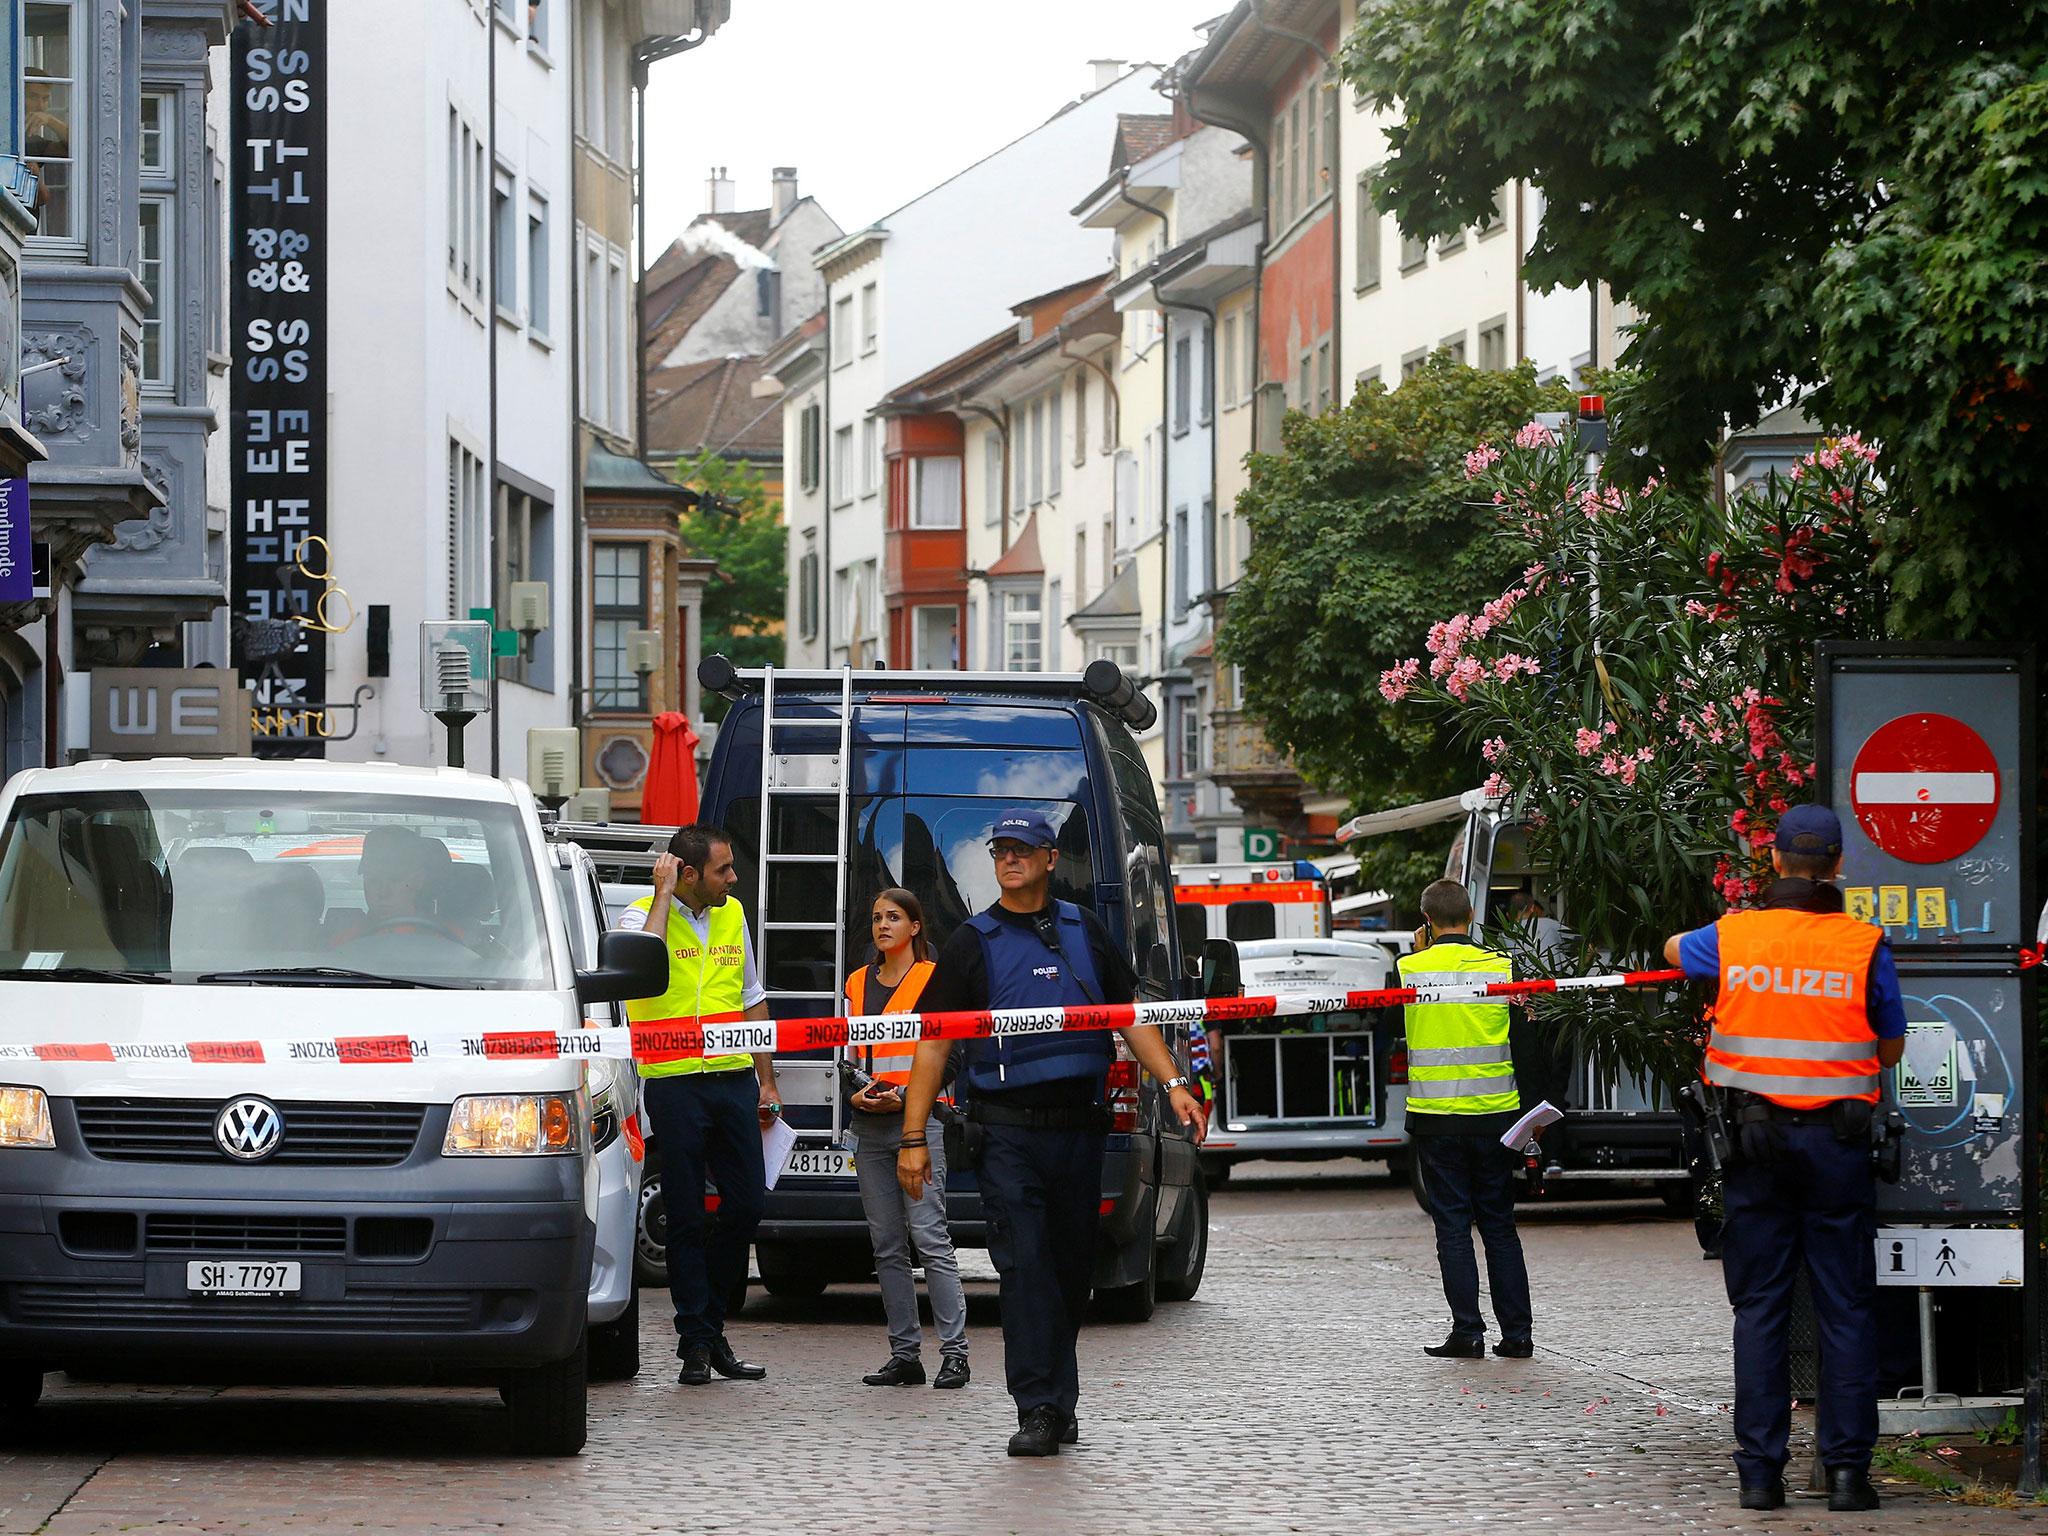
<point x="1024" y="826"/>
<point x="1811" y="829"/>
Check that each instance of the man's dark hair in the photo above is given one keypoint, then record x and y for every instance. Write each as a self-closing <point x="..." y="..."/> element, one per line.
<point x="1445" y="904"/>
<point x="692" y="845"/>
<point x="1807" y="866"/>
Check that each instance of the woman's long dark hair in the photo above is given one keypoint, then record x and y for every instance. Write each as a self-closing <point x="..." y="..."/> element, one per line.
<point x="920" y="948"/>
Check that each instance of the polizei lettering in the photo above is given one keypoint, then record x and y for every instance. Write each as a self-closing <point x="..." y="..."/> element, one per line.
<point x="732" y="1039"/>
<point x="1789" y="981"/>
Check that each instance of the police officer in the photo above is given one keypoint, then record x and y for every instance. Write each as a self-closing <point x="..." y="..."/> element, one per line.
<point x="1038" y="1102"/>
<point x="1806" y="1018"/>
<point x="707" y="1111"/>
<point x="1461" y="1101"/>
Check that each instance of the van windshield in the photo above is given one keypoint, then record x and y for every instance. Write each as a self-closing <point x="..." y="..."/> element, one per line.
<point x="183" y="883"/>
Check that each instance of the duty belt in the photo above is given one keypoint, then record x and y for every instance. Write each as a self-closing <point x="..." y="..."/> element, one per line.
<point x="1046" y="1117"/>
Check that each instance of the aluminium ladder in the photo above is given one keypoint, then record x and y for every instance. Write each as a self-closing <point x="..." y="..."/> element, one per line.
<point x="787" y="776"/>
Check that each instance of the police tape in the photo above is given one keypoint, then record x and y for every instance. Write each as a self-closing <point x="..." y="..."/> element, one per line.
<point x="672" y="1040"/>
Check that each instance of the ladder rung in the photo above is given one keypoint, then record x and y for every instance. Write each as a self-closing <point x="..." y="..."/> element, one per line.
<point x="800" y="858"/>
<point x="778" y="925"/>
<point x="813" y="790"/>
<point x="816" y="720"/>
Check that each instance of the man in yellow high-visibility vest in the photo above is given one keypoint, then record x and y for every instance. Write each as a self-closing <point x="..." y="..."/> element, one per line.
<point x="1461" y="1100"/>
<point x="708" y="1112"/>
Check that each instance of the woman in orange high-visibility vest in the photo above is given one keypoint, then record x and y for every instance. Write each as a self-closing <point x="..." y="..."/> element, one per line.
<point x="891" y="982"/>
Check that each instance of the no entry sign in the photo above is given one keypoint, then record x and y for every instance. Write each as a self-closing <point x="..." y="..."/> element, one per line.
<point x="1924" y="788"/>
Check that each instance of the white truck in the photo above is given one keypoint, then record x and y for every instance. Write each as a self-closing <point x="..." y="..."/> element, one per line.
<point x="201" y="1212"/>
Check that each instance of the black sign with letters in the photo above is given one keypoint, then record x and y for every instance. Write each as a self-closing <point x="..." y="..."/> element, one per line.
<point x="278" y="437"/>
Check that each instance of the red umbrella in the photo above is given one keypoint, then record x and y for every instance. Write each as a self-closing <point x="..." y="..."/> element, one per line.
<point x="668" y="797"/>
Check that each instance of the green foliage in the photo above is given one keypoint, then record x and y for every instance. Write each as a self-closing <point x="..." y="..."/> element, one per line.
<point x="1364" y="529"/>
<point x="739" y="525"/>
<point x="1792" y="193"/>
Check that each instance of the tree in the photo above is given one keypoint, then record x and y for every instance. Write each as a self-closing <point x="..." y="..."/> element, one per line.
<point x="739" y="525"/>
<point x="1792" y="193"/>
<point x="1364" y="528"/>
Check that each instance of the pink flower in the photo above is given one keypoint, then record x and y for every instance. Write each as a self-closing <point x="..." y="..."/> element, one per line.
<point x="1480" y="460"/>
<point x="1587" y="741"/>
<point x="1609" y="729"/>
<point x="1495" y="786"/>
<point x="1396" y="681"/>
<point x="1507" y="666"/>
<point x="1463" y="674"/>
<point x="1699" y="610"/>
<point x="1535" y="435"/>
<point x="1493" y="749"/>
<point x="1497" y="611"/>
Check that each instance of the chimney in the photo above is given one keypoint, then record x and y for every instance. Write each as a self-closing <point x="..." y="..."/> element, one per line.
<point x="1107" y="73"/>
<point x="782" y="192"/>
<point x="718" y="196"/>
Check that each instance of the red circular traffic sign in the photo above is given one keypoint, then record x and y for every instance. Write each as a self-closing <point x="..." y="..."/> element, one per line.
<point x="1924" y="788"/>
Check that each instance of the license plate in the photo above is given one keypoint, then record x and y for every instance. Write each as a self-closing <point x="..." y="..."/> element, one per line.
<point x="238" y="1278"/>
<point x="820" y="1163"/>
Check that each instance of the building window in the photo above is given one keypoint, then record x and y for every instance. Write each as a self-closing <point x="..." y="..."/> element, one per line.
<point x="1229" y="362"/>
<point x="1080" y="419"/>
<point x="1414" y="252"/>
<point x="1277" y="195"/>
<point x="596" y="339"/>
<point x="1497" y="220"/>
<point x="1323" y="381"/>
<point x="842" y="466"/>
<point x="159" y="134"/>
<point x="1080" y="569"/>
<point x="935" y="492"/>
<point x="1023" y="632"/>
<point x="768" y="293"/>
<point x="154" y="271"/>
<point x="870" y="456"/>
<point x="810" y="425"/>
<point x="935" y="639"/>
<point x="1053" y="632"/>
<point x="537" y="23"/>
<point x="1368" y="376"/>
<point x="619" y="317"/>
<point x="1296" y="165"/>
<point x="526" y="552"/>
<point x="807" y="593"/>
<point x="504" y="245"/>
<point x="1123" y="652"/>
<point x="466" y="195"/>
<point x="1455" y="345"/>
<point x="1180" y="560"/>
<point x="1251" y="363"/>
<point x="1037" y="451"/>
<point x="1493" y="343"/>
<point x="991" y="478"/>
<point x="1411" y="364"/>
<point x="1206" y="377"/>
<point x="469" y="579"/>
<point x="1451" y="243"/>
<point x="618" y="606"/>
<point x="870" y="318"/>
<point x="842" y="331"/>
<point x="1304" y="398"/>
<point x="1368" y="274"/>
<point x="1183" y="383"/>
<point x="540" y="316"/>
<point x="49" y="107"/>
<point x="1312" y="159"/>
<point x="1190" y="738"/>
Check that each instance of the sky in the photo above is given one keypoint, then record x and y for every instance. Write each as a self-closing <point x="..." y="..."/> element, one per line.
<point x="875" y="103"/>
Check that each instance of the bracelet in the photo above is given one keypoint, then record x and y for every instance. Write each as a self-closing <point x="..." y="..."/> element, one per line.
<point x="920" y="1144"/>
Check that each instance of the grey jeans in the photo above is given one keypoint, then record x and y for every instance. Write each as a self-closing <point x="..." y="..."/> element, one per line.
<point x="895" y="1223"/>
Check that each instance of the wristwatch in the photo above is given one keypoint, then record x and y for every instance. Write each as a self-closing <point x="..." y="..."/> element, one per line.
<point x="1178" y="1082"/>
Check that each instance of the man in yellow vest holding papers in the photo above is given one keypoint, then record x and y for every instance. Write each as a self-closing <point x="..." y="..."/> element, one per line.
<point x="708" y="1111"/>
<point x="1461" y="1099"/>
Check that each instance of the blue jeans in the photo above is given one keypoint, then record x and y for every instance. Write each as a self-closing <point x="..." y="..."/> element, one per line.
<point x="707" y="1123"/>
<point x="1471" y="1179"/>
<point x="1041" y="1190"/>
<point x="1815" y="1203"/>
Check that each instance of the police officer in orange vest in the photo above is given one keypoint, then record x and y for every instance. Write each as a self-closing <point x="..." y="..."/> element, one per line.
<point x="1807" y="1017"/>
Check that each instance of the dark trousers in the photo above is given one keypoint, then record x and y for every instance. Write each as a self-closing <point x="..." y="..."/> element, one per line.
<point x="1040" y="1191"/>
<point x="1470" y="1179"/>
<point x="707" y="1123"/>
<point x="1816" y="1203"/>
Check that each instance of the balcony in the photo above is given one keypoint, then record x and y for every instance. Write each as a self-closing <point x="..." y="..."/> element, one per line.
<point x="1244" y="759"/>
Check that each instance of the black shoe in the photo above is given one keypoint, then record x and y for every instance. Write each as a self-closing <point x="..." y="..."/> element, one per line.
<point x="953" y="1373"/>
<point x="1039" y="1433"/>
<point x="696" y="1369"/>
<point x="1849" y="1488"/>
<point x="1515" y="1349"/>
<point x="1458" y="1346"/>
<point x="1071" y="1435"/>
<point x="1763" y="1496"/>
<point x="730" y="1365"/>
<point x="901" y="1371"/>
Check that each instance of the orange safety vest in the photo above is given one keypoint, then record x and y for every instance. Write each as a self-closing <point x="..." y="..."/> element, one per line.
<point x="1789" y="1020"/>
<point x="890" y="1063"/>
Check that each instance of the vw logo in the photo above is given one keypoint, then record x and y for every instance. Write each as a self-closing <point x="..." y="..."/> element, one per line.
<point x="249" y="1130"/>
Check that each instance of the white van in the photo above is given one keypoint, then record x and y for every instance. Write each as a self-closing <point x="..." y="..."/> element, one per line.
<point x="300" y="1216"/>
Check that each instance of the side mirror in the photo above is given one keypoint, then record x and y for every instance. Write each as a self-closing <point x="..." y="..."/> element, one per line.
<point x="629" y="965"/>
<point x="1221" y="976"/>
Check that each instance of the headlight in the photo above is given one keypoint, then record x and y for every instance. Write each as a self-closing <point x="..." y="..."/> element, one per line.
<point x="25" y="1118"/>
<point x="514" y="1124"/>
<point x="604" y="1121"/>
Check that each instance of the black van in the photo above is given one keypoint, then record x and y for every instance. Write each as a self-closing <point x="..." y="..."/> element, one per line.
<point x="934" y="759"/>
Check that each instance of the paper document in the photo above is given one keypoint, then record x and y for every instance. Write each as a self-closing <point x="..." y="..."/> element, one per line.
<point x="1516" y="1136"/>
<point x="778" y="1140"/>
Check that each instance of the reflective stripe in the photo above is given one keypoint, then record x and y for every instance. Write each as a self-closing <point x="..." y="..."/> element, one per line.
<point x="1792" y="1050"/>
<point x="1458" y="1056"/>
<point x="1459" y="1087"/>
<point x="1809" y="1087"/>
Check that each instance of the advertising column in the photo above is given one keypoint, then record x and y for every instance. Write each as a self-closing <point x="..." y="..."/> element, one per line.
<point x="277" y="414"/>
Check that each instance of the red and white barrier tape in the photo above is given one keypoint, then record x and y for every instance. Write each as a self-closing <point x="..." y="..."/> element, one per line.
<point x="673" y="1041"/>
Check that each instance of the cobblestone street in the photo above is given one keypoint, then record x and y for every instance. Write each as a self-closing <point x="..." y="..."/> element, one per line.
<point x="1290" y="1396"/>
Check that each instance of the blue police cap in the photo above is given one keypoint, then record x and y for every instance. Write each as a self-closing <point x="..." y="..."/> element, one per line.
<point x="1811" y="829"/>
<point x="1024" y="826"/>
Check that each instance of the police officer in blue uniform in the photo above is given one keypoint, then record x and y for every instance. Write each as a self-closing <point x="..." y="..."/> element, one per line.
<point x="1036" y="1104"/>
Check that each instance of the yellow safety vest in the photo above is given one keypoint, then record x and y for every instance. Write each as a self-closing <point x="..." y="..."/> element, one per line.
<point x="1458" y="1058"/>
<point x="706" y="984"/>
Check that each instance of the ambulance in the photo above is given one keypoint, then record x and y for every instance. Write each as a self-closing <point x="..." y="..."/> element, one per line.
<point x="1284" y="899"/>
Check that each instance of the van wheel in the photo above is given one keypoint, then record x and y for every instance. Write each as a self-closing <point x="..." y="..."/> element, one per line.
<point x="21" y="1387"/>
<point x="1217" y="1171"/>
<point x="1191" y="1252"/>
<point x="615" y="1346"/>
<point x="650" y="1235"/>
<point x="1679" y="1196"/>
<point x="1401" y="1167"/>
<point x="796" y="1273"/>
<point x="550" y="1405"/>
<point x="1132" y="1303"/>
